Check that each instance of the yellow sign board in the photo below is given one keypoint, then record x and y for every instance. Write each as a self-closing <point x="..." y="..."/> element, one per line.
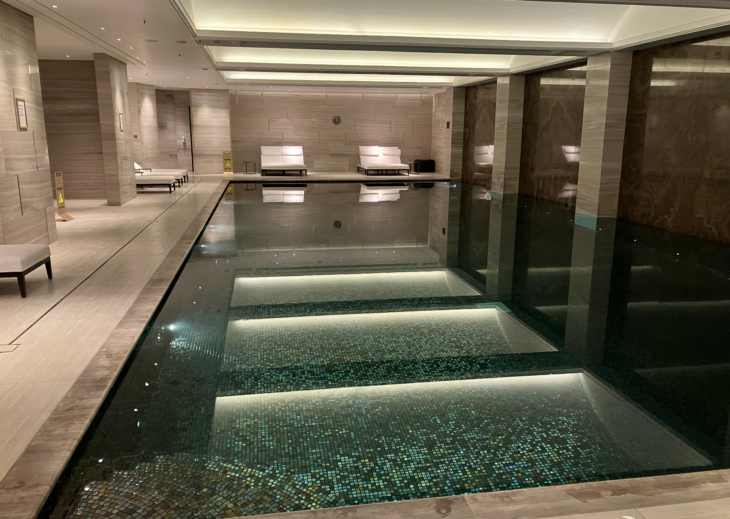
<point x="58" y="175"/>
<point x="227" y="163"/>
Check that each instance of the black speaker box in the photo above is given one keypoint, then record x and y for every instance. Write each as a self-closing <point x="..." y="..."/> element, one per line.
<point x="424" y="166"/>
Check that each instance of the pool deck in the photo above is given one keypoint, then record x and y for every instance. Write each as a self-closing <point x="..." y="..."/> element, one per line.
<point x="76" y="335"/>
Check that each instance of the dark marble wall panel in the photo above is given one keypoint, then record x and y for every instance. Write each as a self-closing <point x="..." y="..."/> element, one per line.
<point x="676" y="164"/>
<point x="551" y="134"/>
<point x="479" y="116"/>
<point x="481" y="105"/>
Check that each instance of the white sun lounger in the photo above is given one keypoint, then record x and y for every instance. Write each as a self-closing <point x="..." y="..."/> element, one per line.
<point x="283" y="159"/>
<point x="380" y="159"/>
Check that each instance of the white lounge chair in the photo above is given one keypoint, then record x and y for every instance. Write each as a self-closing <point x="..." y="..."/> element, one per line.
<point x="381" y="159"/>
<point x="181" y="175"/>
<point x="283" y="159"/>
<point x="150" y="180"/>
<point x="18" y="260"/>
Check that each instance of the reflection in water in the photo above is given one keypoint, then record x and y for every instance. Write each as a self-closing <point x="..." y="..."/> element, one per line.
<point x="283" y="194"/>
<point x="381" y="193"/>
<point x="484" y="155"/>
<point x="336" y="352"/>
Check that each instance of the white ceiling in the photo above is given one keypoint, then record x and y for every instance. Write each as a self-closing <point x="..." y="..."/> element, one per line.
<point x="250" y="44"/>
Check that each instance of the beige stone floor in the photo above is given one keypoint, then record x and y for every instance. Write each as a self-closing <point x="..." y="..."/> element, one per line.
<point x="101" y="261"/>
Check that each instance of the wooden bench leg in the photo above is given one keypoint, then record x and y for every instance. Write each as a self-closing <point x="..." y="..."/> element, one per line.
<point x="49" y="271"/>
<point x="21" y="285"/>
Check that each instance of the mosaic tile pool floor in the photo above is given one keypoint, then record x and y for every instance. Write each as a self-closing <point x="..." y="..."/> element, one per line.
<point x="310" y="377"/>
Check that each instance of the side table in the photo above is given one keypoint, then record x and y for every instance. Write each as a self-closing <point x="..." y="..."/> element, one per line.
<point x="246" y="163"/>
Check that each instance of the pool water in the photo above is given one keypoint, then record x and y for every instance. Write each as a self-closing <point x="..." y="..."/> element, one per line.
<point x="333" y="344"/>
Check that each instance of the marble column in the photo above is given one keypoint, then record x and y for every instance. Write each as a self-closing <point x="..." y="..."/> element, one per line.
<point x="508" y="134"/>
<point x="505" y="186"/>
<point x="457" y="134"/>
<point x="116" y="135"/>
<point x="27" y="213"/>
<point x="602" y="140"/>
<point x="590" y="284"/>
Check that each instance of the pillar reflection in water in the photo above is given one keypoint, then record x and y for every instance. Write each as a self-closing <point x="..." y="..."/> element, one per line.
<point x="590" y="283"/>
<point x="501" y="253"/>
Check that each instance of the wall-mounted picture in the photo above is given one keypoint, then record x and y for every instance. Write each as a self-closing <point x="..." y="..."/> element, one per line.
<point x="121" y="122"/>
<point x="21" y="114"/>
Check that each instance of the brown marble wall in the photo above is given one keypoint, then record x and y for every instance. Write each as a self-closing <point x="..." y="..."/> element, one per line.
<point x="481" y="105"/>
<point x="553" y="120"/>
<point x="676" y="162"/>
<point x="479" y="118"/>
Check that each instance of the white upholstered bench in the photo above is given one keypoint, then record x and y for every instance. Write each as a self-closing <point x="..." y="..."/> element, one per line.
<point x="18" y="260"/>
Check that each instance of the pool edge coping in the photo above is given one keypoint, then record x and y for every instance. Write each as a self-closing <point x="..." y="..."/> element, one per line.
<point x="560" y="501"/>
<point x="29" y="482"/>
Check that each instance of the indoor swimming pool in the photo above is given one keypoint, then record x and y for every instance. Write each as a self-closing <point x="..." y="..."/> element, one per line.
<point x="333" y="344"/>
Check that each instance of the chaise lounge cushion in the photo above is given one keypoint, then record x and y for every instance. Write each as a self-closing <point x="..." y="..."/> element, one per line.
<point x="381" y="158"/>
<point x="18" y="258"/>
<point x="154" y="179"/>
<point x="284" y="165"/>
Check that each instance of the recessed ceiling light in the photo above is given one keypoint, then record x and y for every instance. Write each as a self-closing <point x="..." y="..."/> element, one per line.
<point x="55" y="6"/>
<point x="103" y="29"/>
<point x="131" y="47"/>
<point x="68" y="56"/>
<point x="181" y="41"/>
<point x="137" y="57"/>
<point x="188" y="77"/>
<point x="119" y="39"/>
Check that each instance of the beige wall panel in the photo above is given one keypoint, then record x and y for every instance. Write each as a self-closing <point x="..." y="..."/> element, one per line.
<point x="132" y="97"/>
<point x="211" y="129"/>
<point x="166" y="128"/>
<point x="71" y="109"/>
<point x="408" y="100"/>
<point x="29" y="228"/>
<point x="441" y="136"/>
<point x="602" y="140"/>
<point x="182" y="126"/>
<point x="35" y="191"/>
<point x="112" y="94"/>
<point x="41" y="151"/>
<point x="21" y="152"/>
<point x="148" y="129"/>
<point x="306" y="120"/>
<point x="51" y="222"/>
<point x="10" y="198"/>
<point x="457" y="132"/>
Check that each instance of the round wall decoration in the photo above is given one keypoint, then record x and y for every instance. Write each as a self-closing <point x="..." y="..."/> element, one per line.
<point x="336" y="120"/>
